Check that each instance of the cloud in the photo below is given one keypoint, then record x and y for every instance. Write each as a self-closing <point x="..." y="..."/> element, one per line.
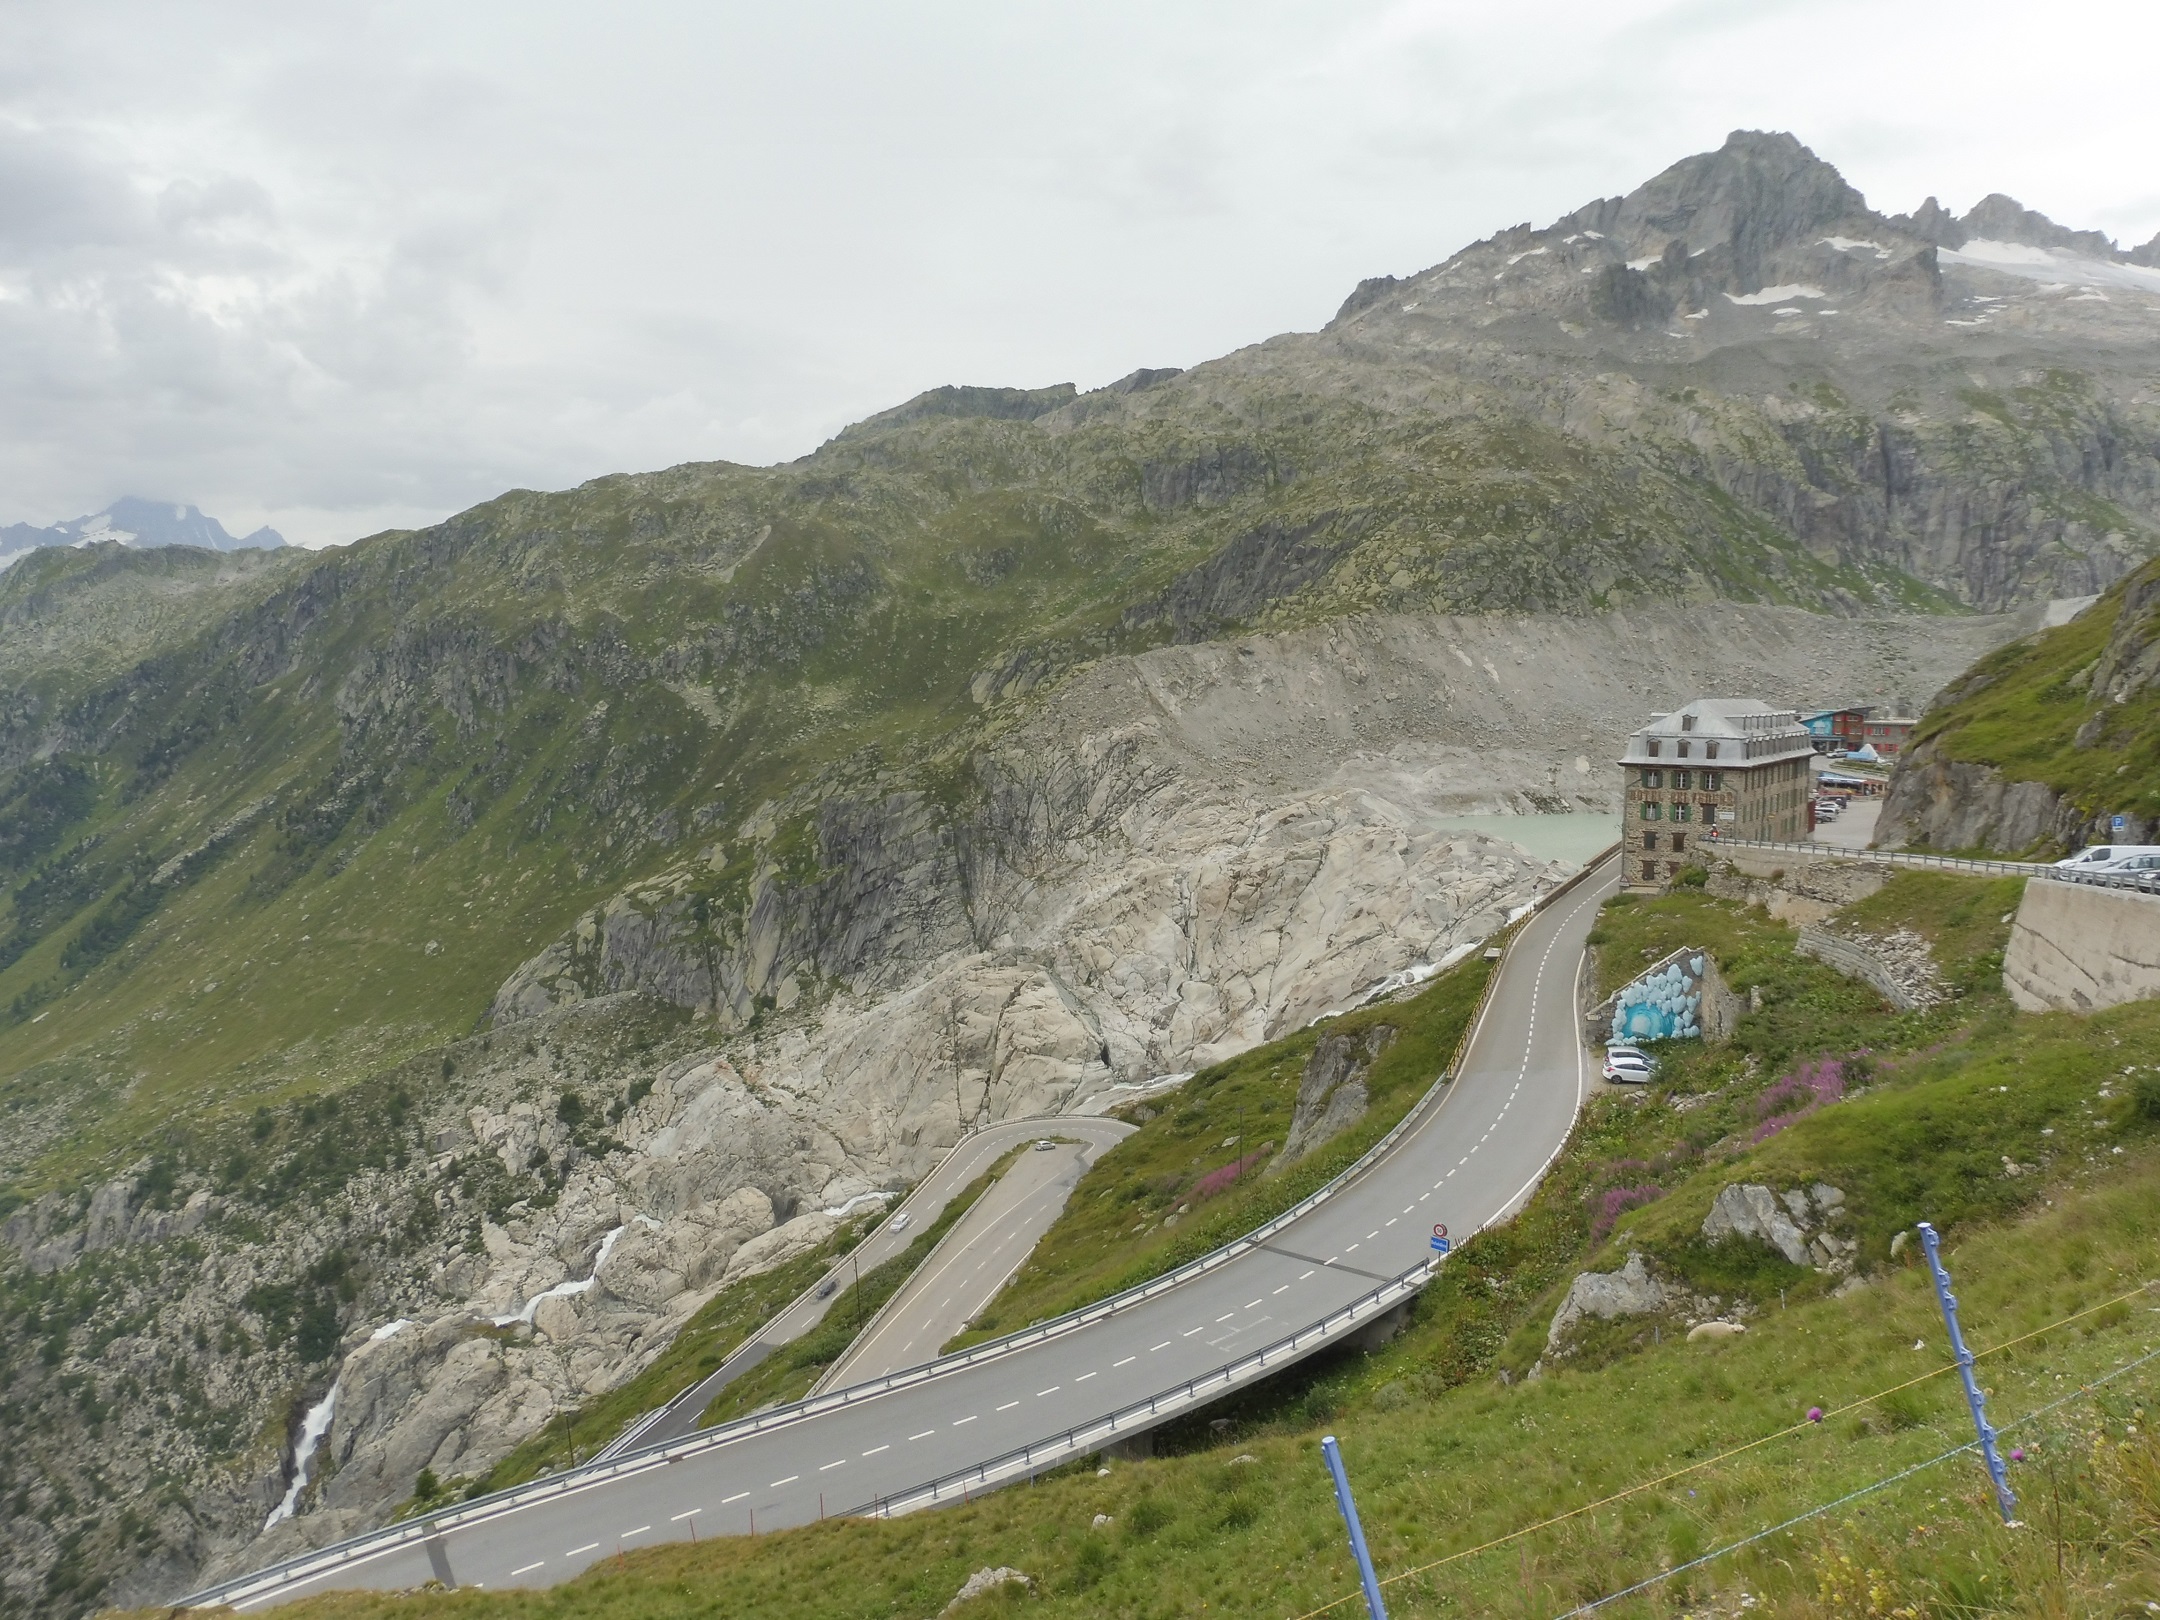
<point x="338" y="267"/>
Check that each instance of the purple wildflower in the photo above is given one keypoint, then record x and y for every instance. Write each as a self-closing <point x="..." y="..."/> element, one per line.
<point x="1216" y="1180"/>
<point x="1617" y="1202"/>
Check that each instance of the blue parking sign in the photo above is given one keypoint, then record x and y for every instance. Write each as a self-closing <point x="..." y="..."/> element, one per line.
<point x="2119" y="823"/>
<point x="1440" y="1240"/>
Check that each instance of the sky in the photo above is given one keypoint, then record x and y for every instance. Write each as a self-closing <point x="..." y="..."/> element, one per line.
<point x="343" y="267"/>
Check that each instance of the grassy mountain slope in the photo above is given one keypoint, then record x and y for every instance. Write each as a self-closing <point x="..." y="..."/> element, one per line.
<point x="2073" y="712"/>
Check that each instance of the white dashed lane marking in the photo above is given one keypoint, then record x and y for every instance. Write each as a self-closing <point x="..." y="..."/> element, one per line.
<point x="528" y="1569"/>
<point x="590" y="1546"/>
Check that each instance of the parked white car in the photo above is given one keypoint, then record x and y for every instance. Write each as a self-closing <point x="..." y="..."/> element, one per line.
<point x="1629" y="1066"/>
<point x="2141" y="871"/>
<point x="2116" y="865"/>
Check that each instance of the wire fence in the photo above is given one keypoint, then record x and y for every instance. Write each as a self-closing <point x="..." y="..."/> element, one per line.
<point x="1760" y="1441"/>
<point x="2082" y="1392"/>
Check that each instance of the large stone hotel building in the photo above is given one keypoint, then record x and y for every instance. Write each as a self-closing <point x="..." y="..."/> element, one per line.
<point x="1720" y="766"/>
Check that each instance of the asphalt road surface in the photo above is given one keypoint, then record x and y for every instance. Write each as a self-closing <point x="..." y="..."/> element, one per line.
<point x="984" y="1247"/>
<point x="1471" y="1160"/>
<point x="970" y="1158"/>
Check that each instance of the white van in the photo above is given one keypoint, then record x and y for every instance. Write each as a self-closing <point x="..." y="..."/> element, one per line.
<point x="2106" y="855"/>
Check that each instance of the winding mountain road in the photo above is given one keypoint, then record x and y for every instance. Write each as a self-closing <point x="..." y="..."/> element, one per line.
<point x="1468" y="1159"/>
<point x="974" y="1154"/>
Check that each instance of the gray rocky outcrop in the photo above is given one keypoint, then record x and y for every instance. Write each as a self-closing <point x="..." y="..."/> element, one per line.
<point x="1332" y="1095"/>
<point x="53" y="1231"/>
<point x="988" y="1580"/>
<point x="1942" y="803"/>
<point x="1796" y="1223"/>
<point x="1605" y="1295"/>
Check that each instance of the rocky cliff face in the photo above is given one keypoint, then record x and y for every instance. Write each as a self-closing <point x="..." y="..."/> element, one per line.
<point x="2041" y="746"/>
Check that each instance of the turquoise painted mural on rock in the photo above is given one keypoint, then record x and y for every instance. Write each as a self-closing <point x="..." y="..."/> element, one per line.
<point x="1665" y="1004"/>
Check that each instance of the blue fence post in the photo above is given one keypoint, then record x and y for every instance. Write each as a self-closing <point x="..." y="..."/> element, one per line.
<point x="1330" y="1450"/>
<point x="2004" y="1498"/>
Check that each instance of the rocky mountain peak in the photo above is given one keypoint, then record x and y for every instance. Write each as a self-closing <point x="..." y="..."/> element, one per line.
<point x="1759" y="192"/>
<point x="1997" y="218"/>
<point x="133" y="521"/>
<point x="1933" y="223"/>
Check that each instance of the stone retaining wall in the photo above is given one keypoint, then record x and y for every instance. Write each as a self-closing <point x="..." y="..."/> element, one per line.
<point x="2077" y="948"/>
<point x="1855" y="963"/>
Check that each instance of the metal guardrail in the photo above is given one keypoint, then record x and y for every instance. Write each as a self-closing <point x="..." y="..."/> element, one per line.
<point x="1139" y="1416"/>
<point x="2137" y="882"/>
<point x="481" y="1509"/>
<point x="1883" y="857"/>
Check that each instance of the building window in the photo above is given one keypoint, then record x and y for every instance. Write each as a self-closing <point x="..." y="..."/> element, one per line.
<point x="1687" y="722"/>
<point x="1680" y="780"/>
<point x="1682" y="749"/>
<point x="1682" y="812"/>
<point x="1709" y="751"/>
<point x="1710" y="780"/>
<point x="1652" y="779"/>
<point x="1649" y="840"/>
<point x="1651" y="748"/>
<point x="1679" y="842"/>
<point x="1652" y="810"/>
<point x="1709" y="815"/>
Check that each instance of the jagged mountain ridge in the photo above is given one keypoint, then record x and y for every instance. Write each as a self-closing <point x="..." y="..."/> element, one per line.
<point x="132" y="521"/>
<point x="853" y="766"/>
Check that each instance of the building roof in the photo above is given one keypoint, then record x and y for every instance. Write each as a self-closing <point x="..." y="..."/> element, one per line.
<point x="1758" y="732"/>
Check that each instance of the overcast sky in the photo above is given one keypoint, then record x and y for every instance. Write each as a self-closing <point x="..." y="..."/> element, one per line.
<point x="341" y="267"/>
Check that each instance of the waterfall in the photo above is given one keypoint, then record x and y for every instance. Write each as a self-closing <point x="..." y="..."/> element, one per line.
<point x="563" y="1290"/>
<point x="312" y="1428"/>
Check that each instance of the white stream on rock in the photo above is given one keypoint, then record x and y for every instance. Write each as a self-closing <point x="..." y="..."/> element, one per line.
<point x="564" y="1290"/>
<point x="313" y="1427"/>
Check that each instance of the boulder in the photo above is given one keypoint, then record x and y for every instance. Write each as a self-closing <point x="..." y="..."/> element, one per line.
<point x="988" y="1580"/>
<point x="1751" y="1211"/>
<point x="1630" y="1291"/>
<point x="1788" y="1222"/>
